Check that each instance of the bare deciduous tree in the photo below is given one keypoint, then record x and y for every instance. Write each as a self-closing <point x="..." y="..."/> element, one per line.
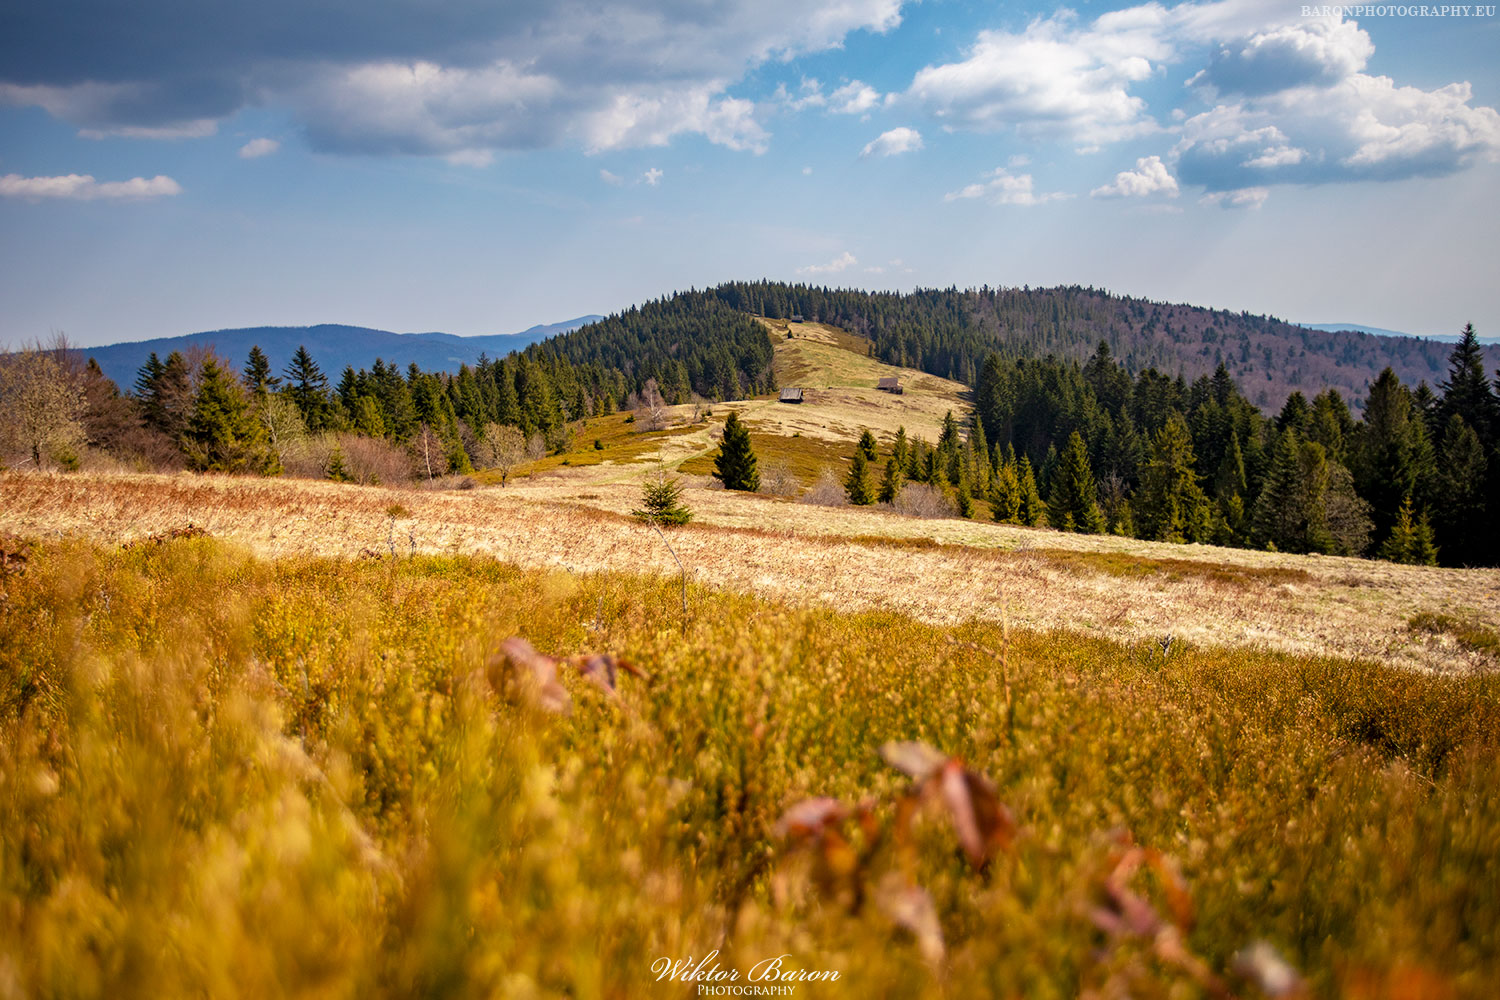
<point x="502" y="448"/>
<point x="653" y="406"/>
<point x="41" y="402"/>
<point x="282" y="422"/>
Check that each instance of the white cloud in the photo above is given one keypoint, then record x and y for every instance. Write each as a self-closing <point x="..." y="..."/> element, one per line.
<point x="477" y="158"/>
<point x="477" y="76"/>
<point x="1319" y="51"/>
<point x="807" y="171"/>
<point x="256" y="148"/>
<point x="613" y="180"/>
<point x="854" y="98"/>
<point x="1289" y="100"/>
<point x="652" y="177"/>
<point x="1001" y="187"/>
<point x="1053" y="78"/>
<point x="1149" y="177"/>
<point x="892" y="143"/>
<point x="1253" y="197"/>
<point x="842" y="262"/>
<point x="83" y="187"/>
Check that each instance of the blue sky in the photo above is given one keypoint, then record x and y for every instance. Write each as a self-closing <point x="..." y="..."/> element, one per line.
<point x="477" y="167"/>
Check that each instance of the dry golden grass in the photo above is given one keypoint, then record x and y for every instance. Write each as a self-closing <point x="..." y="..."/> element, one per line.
<point x="849" y="559"/>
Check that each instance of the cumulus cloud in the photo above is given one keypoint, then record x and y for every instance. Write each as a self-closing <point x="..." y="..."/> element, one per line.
<point x="892" y="143"/>
<point x="854" y="98"/>
<point x="422" y="79"/>
<point x="842" y="262"/>
<point x="83" y="187"/>
<point x="1053" y="78"/>
<point x="256" y="148"/>
<point x="1287" y="102"/>
<point x="652" y="177"/>
<point x="1311" y="52"/>
<point x="1001" y="187"/>
<point x="1149" y="177"/>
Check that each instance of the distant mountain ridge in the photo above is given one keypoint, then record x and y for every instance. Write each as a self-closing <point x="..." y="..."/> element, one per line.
<point x="1447" y="338"/>
<point x="334" y="346"/>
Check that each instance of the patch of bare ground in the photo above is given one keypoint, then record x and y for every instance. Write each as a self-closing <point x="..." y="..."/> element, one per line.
<point x="941" y="571"/>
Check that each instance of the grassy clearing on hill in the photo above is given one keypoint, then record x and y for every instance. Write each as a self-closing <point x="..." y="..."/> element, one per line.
<point x="945" y="571"/>
<point x="230" y="777"/>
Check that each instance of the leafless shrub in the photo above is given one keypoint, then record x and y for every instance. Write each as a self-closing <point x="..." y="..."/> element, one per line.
<point x="922" y="500"/>
<point x="777" y="480"/>
<point x="828" y="491"/>
<point x="536" y="447"/>
<point x="374" y="461"/>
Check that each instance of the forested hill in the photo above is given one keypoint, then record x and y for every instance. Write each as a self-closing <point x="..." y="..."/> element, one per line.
<point x="690" y="339"/>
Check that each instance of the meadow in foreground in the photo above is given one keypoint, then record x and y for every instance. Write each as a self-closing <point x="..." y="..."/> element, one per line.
<point x="226" y="776"/>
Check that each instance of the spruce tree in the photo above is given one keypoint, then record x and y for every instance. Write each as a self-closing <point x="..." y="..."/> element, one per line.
<point x="1005" y="495"/>
<point x="1467" y="391"/>
<point x="1171" y="507"/>
<point x="1410" y="541"/>
<point x="661" y="501"/>
<point x="258" y="377"/>
<point x="867" y="445"/>
<point x="307" y="387"/>
<point x="1074" y="502"/>
<point x="1391" y="457"/>
<point x="735" y="465"/>
<point x="893" y="481"/>
<point x="1463" y="502"/>
<point x="1033" y="510"/>
<point x="857" y="486"/>
<point x="221" y="435"/>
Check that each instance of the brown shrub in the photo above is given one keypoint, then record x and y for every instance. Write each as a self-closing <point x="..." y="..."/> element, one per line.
<point x="827" y="491"/>
<point x="921" y="500"/>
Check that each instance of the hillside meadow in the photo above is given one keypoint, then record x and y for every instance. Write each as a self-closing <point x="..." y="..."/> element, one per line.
<point x="230" y="776"/>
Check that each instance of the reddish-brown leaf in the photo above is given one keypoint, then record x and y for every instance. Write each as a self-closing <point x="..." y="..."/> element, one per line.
<point x="911" y="908"/>
<point x="916" y="759"/>
<point x="810" y="817"/>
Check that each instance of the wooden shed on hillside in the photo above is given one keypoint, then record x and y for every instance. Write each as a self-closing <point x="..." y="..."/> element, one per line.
<point x="890" y="383"/>
<point x="791" y="395"/>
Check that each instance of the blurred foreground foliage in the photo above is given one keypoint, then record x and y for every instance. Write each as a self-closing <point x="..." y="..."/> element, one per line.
<point x="226" y="777"/>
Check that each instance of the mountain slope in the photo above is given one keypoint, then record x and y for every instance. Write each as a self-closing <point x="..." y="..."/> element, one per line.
<point x="332" y="345"/>
<point x="949" y="332"/>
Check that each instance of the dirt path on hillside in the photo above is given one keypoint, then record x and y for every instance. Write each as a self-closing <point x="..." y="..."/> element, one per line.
<point x="848" y="559"/>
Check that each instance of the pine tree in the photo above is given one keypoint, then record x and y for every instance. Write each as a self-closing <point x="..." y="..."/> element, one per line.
<point x="857" y="485"/>
<point x="221" y="435"/>
<point x="1467" y="391"/>
<point x="1170" y="506"/>
<point x="1462" y="497"/>
<point x="867" y="445"/>
<point x="1005" y="495"/>
<point x="661" y="501"/>
<point x="258" y="377"/>
<point x="1033" y="510"/>
<point x="892" y="482"/>
<point x="1409" y="541"/>
<point x="1074" y="503"/>
<point x="307" y="387"/>
<point x="337" y="470"/>
<point x="735" y="465"/>
<point x="1391" y="456"/>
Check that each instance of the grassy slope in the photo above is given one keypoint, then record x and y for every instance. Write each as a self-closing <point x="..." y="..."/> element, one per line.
<point x="232" y="777"/>
<point x="942" y="571"/>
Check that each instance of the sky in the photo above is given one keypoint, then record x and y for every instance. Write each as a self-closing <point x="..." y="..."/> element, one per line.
<point x="478" y="167"/>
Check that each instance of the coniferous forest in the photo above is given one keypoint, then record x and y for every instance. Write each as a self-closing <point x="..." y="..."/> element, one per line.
<point x="1106" y="444"/>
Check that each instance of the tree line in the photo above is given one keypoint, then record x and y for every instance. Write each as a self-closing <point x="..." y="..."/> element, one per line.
<point x="1089" y="448"/>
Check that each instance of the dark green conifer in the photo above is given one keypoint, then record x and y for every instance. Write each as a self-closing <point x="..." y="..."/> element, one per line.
<point x="735" y="465"/>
